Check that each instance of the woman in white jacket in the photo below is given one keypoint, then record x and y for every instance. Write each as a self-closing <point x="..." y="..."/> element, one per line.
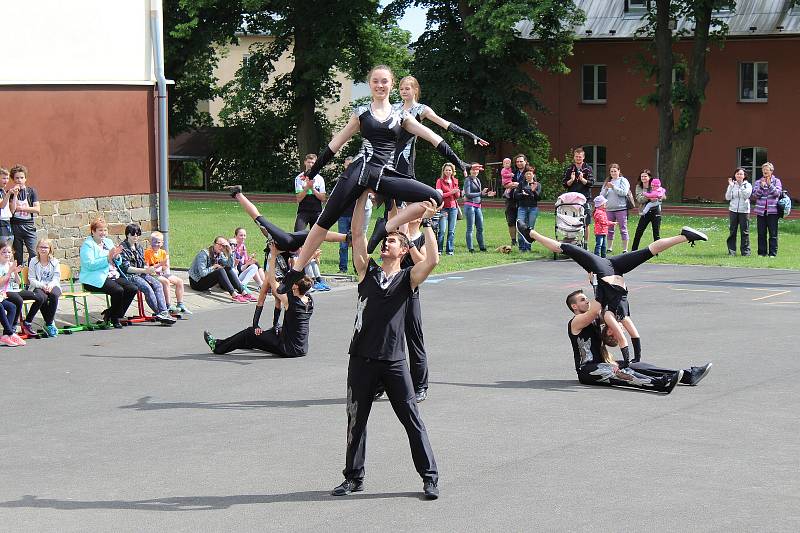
<point x="44" y="279"/>
<point x="738" y="194"/>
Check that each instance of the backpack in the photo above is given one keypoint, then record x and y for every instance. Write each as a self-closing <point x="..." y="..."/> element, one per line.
<point x="784" y="204"/>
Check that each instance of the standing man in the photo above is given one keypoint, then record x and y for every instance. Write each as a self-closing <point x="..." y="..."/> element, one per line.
<point x="309" y="194"/>
<point x="578" y="176"/>
<point x="377" y="354"/>
<point x="510" y="184"/>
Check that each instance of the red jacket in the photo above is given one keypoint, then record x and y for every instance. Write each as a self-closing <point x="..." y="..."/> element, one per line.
<point x="449" y="192"/>
<point x="600" y="221"/>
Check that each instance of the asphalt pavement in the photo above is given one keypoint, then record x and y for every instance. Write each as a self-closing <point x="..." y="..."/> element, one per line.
<point x="143" y="429"/>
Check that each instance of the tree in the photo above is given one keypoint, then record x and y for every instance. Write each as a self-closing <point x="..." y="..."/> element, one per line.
<point x="475" y="69"/>
<point x="679" y="103"/>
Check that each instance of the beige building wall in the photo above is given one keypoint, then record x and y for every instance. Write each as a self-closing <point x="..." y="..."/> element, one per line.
<point x="231" y="59"/>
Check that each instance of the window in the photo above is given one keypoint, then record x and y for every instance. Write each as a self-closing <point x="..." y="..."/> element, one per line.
<point x="753" y="82"/>
<point x="594" y="84"/>
<point x="751" y="158"/>
<point x="596" y="158"/>
<point x="678" y="75"/>
<point x="636" y="6"/>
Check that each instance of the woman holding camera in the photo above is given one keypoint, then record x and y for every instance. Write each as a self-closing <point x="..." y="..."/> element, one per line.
<point x="214" y="266"/>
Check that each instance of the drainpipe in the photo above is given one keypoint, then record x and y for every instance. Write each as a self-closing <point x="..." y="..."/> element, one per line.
<point x="157" y="40"/>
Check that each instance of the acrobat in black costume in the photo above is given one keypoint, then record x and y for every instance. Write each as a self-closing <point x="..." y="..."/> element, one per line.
<point x="612" y="292"/>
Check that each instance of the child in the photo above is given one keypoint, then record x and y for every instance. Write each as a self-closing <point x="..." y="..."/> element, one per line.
<point x="24" y="204"/>
<point x="654" y="196"/>
<point x="246" y="265"/>
<point x="9" y="310"/>
<point x="506" y="174"/>
<point x="158" y="257"/>
<point x="601" y="224"/>
<point x="312" y="271"/>
<point x="44" y="279"/>
<point x="5" y="213"/>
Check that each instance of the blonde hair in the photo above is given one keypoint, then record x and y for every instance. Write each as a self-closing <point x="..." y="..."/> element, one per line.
<point x="4" y="172"/>
<point x="49" y="244"/>
<point x="769" y="166"/>
<point x="156" y="235"/>
<point x="452" y="166"/>
<point x="414" y="85"/>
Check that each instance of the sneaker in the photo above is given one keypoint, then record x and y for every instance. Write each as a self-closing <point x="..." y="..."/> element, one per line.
<point x="233" y="190"/>
<point x="670" y="383"/>
<point x="431" y="489"/>
<point x="241" y="298"/>
<point x="182" y="308"/>
<point x="484" y="250"/>
<point x="5" y="340"/>
<point x="421" y="395"/>
<point x="250" y="298"/>
<point x="27" y="330"/>
<point x="471" y="251"/>
<point x="524" y="232"/>
<point x="692" y="235"/>
<point x="378" y="234"/>
<point x="291" y="277"/>
<point x="116" y="323"/>
<point x="378" y="395"/>
<point x="211" y="341"/>
<point x="348" y="486"/>
<point x="165" y="318"/>
<point x="449" y="253"/>
<point x="18" y="340"/>
<point x="696" y="374"/>
<point x="731" y="252"/>
<point x="51" y="329"/>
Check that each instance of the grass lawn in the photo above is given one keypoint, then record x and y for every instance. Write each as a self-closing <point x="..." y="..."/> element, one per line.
<point x="194" y="224"/>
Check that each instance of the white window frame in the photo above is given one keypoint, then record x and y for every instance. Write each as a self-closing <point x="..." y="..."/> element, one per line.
<point x="636" y="6"/>
<point x="592" y="152"/>
<point x="755" y="168"/>
<point x="755" y="97"/>
<point x="595" y="85"/>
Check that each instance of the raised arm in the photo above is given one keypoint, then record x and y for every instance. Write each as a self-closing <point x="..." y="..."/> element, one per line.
<point x="336" y="143"/>
<point x="272" y="282"/>
<point x="360" y="255"/>
<point x="584" y="319"/>
<point x="411" y="125"/>
<point x="431" y="115"/>
<point x="421" y="270"/>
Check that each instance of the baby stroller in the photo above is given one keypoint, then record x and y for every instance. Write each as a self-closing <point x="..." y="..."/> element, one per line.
<point x="572" y="215"/>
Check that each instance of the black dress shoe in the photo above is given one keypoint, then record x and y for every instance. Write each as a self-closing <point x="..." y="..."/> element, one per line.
<point x="692" y="235"/>
<point x="524" y="232"/>
<point x="378" y="234"/>
<point x="233" y="190"/>
<point x="430" y="489"/>
<point x="348" y="486"/>
<point x="291" y="277"/>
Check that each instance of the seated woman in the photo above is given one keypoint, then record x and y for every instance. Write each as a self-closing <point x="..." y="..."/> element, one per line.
<point x="9" y="310"/>
<point x="100" y="261"/>
<point x="246" y="265"/>
<point x="214" y="266"/>
<point x="44" y="279"/>
<point x="134" y="269"/>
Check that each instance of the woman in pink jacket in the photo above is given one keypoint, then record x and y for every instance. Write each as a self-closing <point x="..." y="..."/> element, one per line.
<point x="448" y="186"/>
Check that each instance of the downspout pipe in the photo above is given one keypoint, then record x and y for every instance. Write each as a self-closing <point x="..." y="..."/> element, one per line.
<point x="157" y="40"/>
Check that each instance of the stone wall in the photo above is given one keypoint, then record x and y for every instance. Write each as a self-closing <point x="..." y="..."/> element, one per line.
<point x="66" y="222"/>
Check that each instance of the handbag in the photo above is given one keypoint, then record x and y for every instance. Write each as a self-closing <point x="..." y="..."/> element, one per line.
<point x="629" y="201"/>
<point x="459" y="214"/>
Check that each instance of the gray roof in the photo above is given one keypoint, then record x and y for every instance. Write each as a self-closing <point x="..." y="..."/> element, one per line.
<point x="606" y="16"/>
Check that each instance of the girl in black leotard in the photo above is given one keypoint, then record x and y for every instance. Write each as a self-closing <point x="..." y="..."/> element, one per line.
<point x="380" y="125"/>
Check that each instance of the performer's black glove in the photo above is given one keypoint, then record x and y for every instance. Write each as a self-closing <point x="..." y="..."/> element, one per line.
<point x="257" y="316"/>
<point x="444" y="149"/>
<point x="322" y="160"/>
<point x="455" y="128"/>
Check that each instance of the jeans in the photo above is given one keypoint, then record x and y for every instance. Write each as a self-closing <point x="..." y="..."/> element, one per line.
<point x="447" y="218"/>
<point x="344" y="227"/>
<point x="152" y="290"/>
<point x="474" y="216"/>
<point x="600" y="245"/>
<point x="527" y="215"/>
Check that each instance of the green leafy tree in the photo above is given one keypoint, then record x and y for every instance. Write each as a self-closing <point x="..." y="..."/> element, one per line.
<point x="476" y="70"/>
<point x="679" y="103"/>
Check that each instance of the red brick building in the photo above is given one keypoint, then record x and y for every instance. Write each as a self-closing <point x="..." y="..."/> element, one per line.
<point x="751" y="99"/>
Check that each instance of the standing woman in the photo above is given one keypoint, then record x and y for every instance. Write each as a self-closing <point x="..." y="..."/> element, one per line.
<point x="447" y="186"/>
<point x="100" y="261"/>
<point x="738" y="194"/>
<point x="527" y="195"/>
<point x="652" y="216"/>
<point x="615" y="189"/>
<point x="472" y="208"/>
<point x="381" y="126"/>
<point x="766" y="192"/>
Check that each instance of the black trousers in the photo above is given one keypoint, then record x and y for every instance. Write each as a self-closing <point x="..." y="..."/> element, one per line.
<point x="305" y="219"/>
<point x="247" y="339"/>
<point x="386" y="182"/>
<point x="764" y="223"/>
<point x="24" y="237"/>
<point x="285" y="241"/>
<point x="417" y="357"/>
<point x="122" y="293"/>
<point x="46" y="302"/>
<point x="606" y="266"/>
<point x="363" y="376"/>
<point x="225" y="277"/>
<point x="651" y="217"/>
<point x="740" y="222"/>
